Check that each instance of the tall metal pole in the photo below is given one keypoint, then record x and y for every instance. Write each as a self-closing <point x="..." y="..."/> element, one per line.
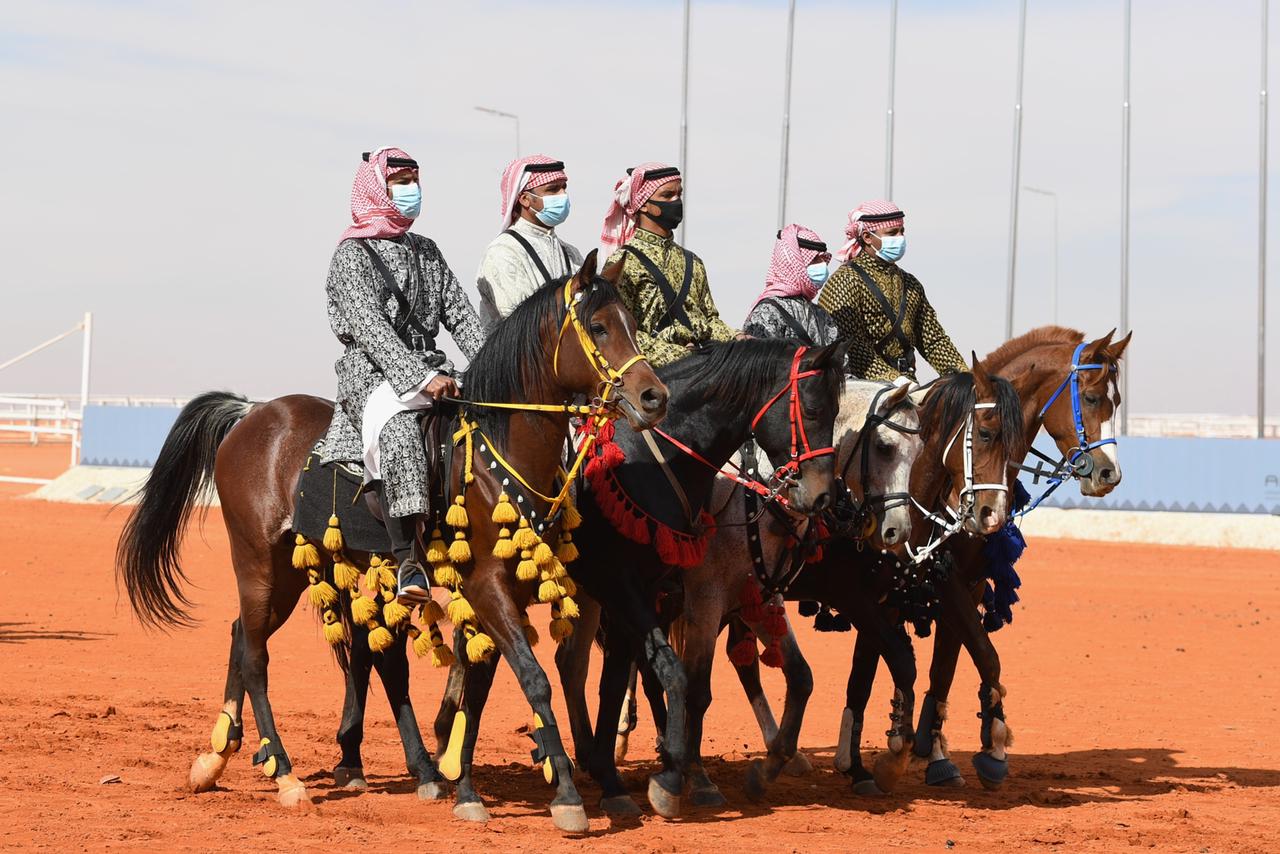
<point x="85" y="362"/>
<point x="1017" y="169"/>
<point x="1054" y="292"/>
<point x="786" y="118"/>
<point x="888" y="122"/>
<point x="1262" y="236"/>
<point x="1124" y="220"/>
<point x="684" y="114"/>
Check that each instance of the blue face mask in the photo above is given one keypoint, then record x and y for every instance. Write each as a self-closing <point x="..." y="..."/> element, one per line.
<point x="818" y="273"/>
<point x="892" y="247"/>
<point x="408" y="199"/>
<point x="555" y="210"/>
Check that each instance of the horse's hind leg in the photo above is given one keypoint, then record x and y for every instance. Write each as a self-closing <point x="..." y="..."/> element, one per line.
<point x="618" y="665"/>
<point x="451" y="699"/>
<point x="349" y="774"/>
<point x="862" y="674"/>
<point x="393" y="668"/>
<point x="900" y="658"/>
<point x="783" y="748"/>
<point x="228" y="729"/>
<point x="573" y="660"/>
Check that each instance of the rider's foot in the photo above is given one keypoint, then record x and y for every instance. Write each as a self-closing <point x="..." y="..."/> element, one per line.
<point x="412" y="587"/>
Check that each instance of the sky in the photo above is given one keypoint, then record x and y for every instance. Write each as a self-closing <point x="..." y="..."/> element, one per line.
<point x="183" y="170"/>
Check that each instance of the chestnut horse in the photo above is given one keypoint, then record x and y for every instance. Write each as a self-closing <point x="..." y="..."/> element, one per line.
<point x="557" y="344"/>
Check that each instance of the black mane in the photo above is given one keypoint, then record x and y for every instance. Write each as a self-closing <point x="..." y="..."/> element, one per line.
<point x="952" y="399"/>
<point x="514" y="364"/>
<point x="732" y="372"/>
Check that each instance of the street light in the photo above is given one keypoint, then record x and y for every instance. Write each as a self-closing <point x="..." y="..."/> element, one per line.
<point x="786" y="117"/>
<point x="684" y="114"/>
<point x="504" y="115"/>
<point x="1017" y="166"/>
<point x="1054" y="196"/>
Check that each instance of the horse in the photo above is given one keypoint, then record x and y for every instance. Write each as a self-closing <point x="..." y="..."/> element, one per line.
<point x="253" y="453"/>
<point x="643" y="523"/>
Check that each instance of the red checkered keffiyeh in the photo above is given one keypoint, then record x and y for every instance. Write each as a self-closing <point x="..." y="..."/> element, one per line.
<point x="787" y="276"/>
<point x="629" y="195"/>
<point x="371" y="209"/>
<point x="869" y="216"/>
<point x="517" y="178"/>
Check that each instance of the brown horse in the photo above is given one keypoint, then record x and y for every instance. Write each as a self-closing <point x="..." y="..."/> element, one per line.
<point x="557" y="344"/>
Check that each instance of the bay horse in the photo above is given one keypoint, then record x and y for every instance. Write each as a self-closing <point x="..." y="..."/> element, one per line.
<point x="644" y="523"/>
<point x="253" y="454"/>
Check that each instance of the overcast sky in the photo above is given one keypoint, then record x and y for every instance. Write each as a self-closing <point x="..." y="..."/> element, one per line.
<point x="183" y="170"/>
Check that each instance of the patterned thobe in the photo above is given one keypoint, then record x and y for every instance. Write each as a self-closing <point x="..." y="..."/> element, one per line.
<point x="791" y="317"/>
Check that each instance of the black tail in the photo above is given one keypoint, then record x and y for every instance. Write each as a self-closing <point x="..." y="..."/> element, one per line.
<point x="147" y="555"/>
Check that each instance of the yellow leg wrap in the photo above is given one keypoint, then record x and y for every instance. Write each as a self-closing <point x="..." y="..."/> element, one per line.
<point x="219" y="740"/>
<point x="548" y="770"/>
<point x="268" y="767"/>
<point x="450" y="763"/>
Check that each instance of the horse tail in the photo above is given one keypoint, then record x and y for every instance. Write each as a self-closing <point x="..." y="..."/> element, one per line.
<point x="182" y="477"/>
<point x="675" y="636"/>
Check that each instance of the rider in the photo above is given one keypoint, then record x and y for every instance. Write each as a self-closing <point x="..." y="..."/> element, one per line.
<point x="879" y="306"/>
<point x="663" y="284"/>
<point x="389" y="292"/>
<point x="528" y="252"/>
<point x="785" y="308"/>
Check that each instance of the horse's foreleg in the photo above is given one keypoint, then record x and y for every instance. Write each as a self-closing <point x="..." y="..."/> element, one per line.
<point x="701" y="626"/>
<point x="619" y="659"/>
<point x="393" y="669"/>
<point x="228" y="729"/>
<point x="900" y="657"/>
<point x="458" y="756"/>
<point x="930" y="742"/>
<point x="862" y="675"/>
<point x="666" y="786"/>
<point x="350" y="771"/>
<point x="451" y="699"/>
<point x="573" y="660"/>
<point x="653" y="692"/>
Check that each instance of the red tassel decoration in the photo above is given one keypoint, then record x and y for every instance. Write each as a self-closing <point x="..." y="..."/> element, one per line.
<point x="775" y="621"/>
<point x="752" y="604"/>
<point x="668" y="548"/>
<point x="817" y="555"/>
<point x="772" y="655"/>
<point x="744" y="651"/>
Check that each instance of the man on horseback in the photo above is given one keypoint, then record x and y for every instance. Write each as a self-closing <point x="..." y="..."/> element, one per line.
<point x="389" y="292"/>
<point x="879" y="306"/>
<point x="785" y="308"/>
<point x="663" y="284"/>
<point x="528" y="252"/>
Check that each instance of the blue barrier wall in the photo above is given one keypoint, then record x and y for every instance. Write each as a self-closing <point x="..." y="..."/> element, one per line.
<point x="1207" y="475"/>
<point x="124" y="435"/>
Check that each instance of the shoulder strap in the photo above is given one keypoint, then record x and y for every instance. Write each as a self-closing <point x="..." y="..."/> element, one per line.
<point x="390" y="290"/>
<point x="895" y="322"/>
<point x="675" y="312"/>
<point x="787" y="317"/>
<point x="537" y="262"/>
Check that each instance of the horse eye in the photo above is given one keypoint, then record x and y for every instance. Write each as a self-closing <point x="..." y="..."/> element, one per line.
<point x="984" y="434"/>
<point x="1091" y="399"/>
<point x="885" y="449"/>
<point x="598" y="329"/>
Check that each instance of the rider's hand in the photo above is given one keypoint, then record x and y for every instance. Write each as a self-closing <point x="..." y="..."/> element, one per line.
<point x="440" y="386"/>
<point x="742" y="336"/>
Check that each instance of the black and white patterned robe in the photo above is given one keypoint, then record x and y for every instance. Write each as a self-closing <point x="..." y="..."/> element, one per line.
<point x="789" y="317"/>
<point x="366" y="324"/>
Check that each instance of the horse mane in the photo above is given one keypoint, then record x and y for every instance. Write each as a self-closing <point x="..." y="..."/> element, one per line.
<point x="731" y="372"/>
<point x="1041" y="335"/>
<point x="952" y="398"/>
<point x="514" y="363"/>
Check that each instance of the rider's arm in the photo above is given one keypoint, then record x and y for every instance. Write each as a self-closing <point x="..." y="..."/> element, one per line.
<point x="932" y="341"/>
<point x="700" y="296"/>
<point x="457" y="313"/>
<point x="633" y="280"/>
<point x="841" y="297"/>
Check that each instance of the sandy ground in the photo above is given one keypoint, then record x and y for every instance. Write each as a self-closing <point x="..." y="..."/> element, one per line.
<point x="1143" y="695"/>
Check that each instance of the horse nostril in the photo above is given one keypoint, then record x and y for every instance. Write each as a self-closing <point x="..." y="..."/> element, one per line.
<point x="822" y="501"/>
<point x="1107" y="475"/>
<point x="890" y="535"/>
<point x="652" y="399"/>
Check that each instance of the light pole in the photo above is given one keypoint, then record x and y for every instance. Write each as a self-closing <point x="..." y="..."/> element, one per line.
<point x="1124" y="219"/>
<point x="1262" y="237"/>
<point x="505" y="115"/>
<point x="888" y="121"/>
<point x="684" y="114"/>
<point x="1017" y="169"/>
<point x="1054" y="196"/>
<point x="786" y="117"/>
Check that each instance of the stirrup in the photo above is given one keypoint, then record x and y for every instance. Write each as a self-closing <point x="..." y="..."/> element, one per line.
<point x="413" y="593"/>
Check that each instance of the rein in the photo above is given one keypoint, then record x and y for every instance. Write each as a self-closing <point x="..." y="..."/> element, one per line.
<point x="1076" y="463"/>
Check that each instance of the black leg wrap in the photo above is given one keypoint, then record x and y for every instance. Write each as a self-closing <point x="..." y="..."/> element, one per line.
<point x="991" y="771"/>
<point x="235" y="732"/>
<point x="929" y="726"/>
<point x="547" y="745"/>
<point x="943" y="772"/>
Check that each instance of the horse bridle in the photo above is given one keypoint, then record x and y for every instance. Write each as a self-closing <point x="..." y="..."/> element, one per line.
<point x="966" y="500"/>
<point x="1077" y="462"/>
<point x="865" y="511"/>
<point x="611" y="379"/>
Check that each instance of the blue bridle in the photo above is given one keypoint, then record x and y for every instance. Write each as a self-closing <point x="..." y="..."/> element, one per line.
<point x="1076" y="463"/>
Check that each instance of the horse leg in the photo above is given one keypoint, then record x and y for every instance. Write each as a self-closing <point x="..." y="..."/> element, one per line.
<point x="459" y="753"/>
<point x="930" y="743"/>
<point x="349" y="774"/>
<point x="657" y="702"/>
<point x="628" y="717"/>
<point x="701" y="625"/>
<point x="619" y="660"/>
<point x="573" y="660"/>
<point x="785" y="744"/>
<point x="900" y="657"/>
<point x="451" y="699"/>
<point x="393" y="669"/>
<point x="228" y="729"/>
<point x="862" y="674"/>
<point x="666" y="786"/>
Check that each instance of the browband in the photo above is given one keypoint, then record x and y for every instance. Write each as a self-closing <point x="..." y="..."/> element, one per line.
<point x="885" y="217"/>
<point x="815" y="245"/>
<point x="395" y="161"/>
<point x="558" y="166"/>
<point x="664" y="172"/>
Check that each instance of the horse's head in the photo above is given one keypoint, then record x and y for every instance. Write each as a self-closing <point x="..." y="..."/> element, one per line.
<point x="1094" y="402"/>
<point x="597" y="349"/>
<point x="971" y="425"/>
<point x="879" y="442"/>
<point x="795" y="426"/>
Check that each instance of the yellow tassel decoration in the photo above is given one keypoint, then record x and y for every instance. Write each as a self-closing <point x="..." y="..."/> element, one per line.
<point x="421" y="642"/>
<point x="479" y="647"/>
<point x="567" y="586"/>
<point x="363" y="609"/>
<point x="568" y="552"/>
<point x="393" y="614"/>
<point x="441" y="655"/>
<point x="560" y="627"/>
<point x="437" y="551"/>
<point x="387" y="576"/>
<point x="460" y="549"/>
<point x="334" y="633"/>
<point x="305" y="554"/>
<point x="542" y="554"/>
<point x="459" y="610"/>
<point x="549" y="591"/>
<point x="524" y="537"/>
<point x="447" y="576"/>
<point x="457" y="515"/>
<point x="530" y="633"/>
<point x="569" y="608"/>
<point x="320" y="592"/>
<point x="345" y="573"/>
<point x="372" y="574"/>
<point x="527" y="570"/>
<point x="504" y="548"/>
<point x="504" y="512"/>
<point x="380" y="639"/>
<point x="333" y="536"/>
<point x="432" y="612"/>
<point x="570" y="518"/>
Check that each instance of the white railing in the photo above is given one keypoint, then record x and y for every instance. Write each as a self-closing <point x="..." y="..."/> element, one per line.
<point x="1202" y="426"/>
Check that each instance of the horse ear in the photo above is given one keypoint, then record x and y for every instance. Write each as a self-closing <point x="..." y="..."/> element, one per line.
<point x="825" y="357"/>
<point x="895" y="397"/>
<point x="1094" y="350"/>
<point x="1116" y="350"/>
<point x="1023" y="382"/>
<point x="981" y="382"/>
<point x="612" y="273"/>
<point x="586" y="274"/>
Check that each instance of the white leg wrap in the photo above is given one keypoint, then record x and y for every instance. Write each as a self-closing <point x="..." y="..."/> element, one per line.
<point x="845" y="748"/>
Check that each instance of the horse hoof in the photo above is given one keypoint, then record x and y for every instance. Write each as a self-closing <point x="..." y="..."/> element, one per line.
<point x="349" y="778"/>
<point x="620" y="806"/>
<point x="293" y="794"/>
<point x="205" y="771"/>
<point x="756" y="785"/>
<point x="708" y="796"/>
<point x="569" y="818"/>
<point x="620" y="749"/>
<point x="663" y="802"/>
<point x="889" y="769"/>
<point x="943" y="772"/>
<point x="432" y="791"/>
<point x="798" y="765"/>
<point x="991" y="771"/>
<point x="867" y="788"/>
<point x="471" y="811"/>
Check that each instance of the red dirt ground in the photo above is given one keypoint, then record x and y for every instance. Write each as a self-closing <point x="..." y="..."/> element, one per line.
<point x="1143" y="693"/>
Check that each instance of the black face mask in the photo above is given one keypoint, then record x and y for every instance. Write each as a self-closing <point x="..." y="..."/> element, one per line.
<point x="669" y="213"/>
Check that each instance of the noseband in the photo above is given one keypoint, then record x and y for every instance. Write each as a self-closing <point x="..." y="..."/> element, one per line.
<point x="800" y="449"/>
